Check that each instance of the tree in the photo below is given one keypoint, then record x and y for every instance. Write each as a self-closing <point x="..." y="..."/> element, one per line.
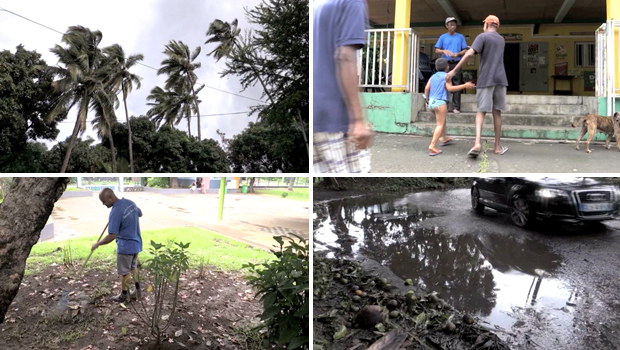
<point x="121" y="79"/>
<point x="171" y="106"/>
<point x="79" y="82"/>
<point x="291" y="183"/>
<point x="144" y="132"/>
<point x="278" y="57"/>
<point x="86" y="158"/>
<point x="27" y="98"/>
<point x="23" y="214"/>
<point x="180" y="70"/>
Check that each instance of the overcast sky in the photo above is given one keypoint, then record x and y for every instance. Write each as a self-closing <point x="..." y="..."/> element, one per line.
<point x="140" y="27"/>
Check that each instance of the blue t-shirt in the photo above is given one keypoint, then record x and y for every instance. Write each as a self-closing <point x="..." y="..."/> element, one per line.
<point x="125" y="224"/>
<point x="337" y="23"/>
<point x="438" y="87"/>
<point x="453" y="43"/>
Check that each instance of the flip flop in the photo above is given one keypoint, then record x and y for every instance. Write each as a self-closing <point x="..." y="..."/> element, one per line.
<point x="449" y="142"/>
<point x="432" y="154"/>
<point x="474" y="153"/>
<point x="504" y="150"/>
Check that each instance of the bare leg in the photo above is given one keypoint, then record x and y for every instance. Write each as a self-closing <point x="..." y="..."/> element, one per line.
<point x="440" y="117"/>
<point x="479" y="123"/>
<point x="497" y="125"/>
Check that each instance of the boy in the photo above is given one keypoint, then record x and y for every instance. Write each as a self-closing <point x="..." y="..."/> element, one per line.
<point x="437" y="94"/>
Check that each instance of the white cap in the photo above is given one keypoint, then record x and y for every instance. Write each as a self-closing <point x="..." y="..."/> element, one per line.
<point x="450" y="19"/>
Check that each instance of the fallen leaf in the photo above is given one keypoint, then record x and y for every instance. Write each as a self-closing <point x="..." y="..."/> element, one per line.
<point x="149" y="288"/>
<point x="122" y="305"/>
<point x="124" y="330"/>
<point x="178" y="333"/>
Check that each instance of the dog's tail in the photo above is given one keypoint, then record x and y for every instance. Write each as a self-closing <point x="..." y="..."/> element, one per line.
<point x="579" y="122"/>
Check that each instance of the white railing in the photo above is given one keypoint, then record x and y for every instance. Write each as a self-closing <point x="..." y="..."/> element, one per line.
<point x="375" y="61"/>
<point x="607" y="49"/>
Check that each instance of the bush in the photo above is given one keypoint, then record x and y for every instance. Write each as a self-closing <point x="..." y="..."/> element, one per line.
<point x="284" y="194"/>
<point x="164" y="271"/>
<point x="283" y="286"/>
<point x="158" y="182"/>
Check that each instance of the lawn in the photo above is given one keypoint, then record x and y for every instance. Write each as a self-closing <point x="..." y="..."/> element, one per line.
<point x="213" y="249"/>
<point x="75" y="189"/>
<point x="298" y="194"/>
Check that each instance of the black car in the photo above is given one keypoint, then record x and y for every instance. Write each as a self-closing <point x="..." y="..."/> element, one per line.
<point x="570" y="200"/>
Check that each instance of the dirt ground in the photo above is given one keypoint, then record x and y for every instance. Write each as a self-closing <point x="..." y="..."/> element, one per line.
<point x="212" y="312"/>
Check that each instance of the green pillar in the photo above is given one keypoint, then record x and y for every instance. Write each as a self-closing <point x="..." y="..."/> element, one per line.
<point x="222" y="193"/>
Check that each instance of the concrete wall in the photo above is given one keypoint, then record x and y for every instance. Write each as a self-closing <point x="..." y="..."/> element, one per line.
<point x="388" y="111"/>
<point x="73" y="194"/>
<point x="172" y="191"/>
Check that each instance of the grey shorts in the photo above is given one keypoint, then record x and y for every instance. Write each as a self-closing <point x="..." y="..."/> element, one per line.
<point x="126" y="263"/>
<point x="492" y="97"/>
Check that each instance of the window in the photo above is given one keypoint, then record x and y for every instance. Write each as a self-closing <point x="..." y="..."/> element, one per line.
<point x="584" y="54"/>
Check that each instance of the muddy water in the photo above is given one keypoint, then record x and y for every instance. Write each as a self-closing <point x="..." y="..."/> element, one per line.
<point x="505" y="280"/>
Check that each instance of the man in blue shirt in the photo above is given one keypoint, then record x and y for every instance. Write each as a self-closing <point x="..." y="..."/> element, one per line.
<point x="341" y="137"/>
<point x="124" y="227"/>
<point x="452" y="46"/>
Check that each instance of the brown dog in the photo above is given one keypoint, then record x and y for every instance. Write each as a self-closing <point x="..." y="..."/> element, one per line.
<point x="592" y="123"/>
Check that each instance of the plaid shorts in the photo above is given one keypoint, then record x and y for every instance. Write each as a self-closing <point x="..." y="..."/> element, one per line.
<point x="333" y="154"/>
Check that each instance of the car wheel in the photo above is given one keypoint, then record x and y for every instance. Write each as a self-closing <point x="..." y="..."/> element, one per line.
<point x="475" y="201"/>
<point x="520" y="212"/>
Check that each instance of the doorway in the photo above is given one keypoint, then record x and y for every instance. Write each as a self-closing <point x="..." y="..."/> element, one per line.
<point x="512" y="64"/>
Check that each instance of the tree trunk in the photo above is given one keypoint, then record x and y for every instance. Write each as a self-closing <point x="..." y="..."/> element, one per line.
<point x="251" y="188"/>
<point x="129" y="129"/>
<point x="172" y="181"/>
<point x="76" y="130"/>
<point x="23" y="215"/>
<point x="189" y="125"/>
<point x="197" y="108"/>
<point x="291" y="183"/>
<point x="112" y="148"/>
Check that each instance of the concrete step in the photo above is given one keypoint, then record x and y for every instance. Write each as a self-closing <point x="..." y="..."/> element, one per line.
<point x="509" y="131"/>
<point x="537" y="99"/>
<point x="546" y="109"/>
<point x="507" y="119"/>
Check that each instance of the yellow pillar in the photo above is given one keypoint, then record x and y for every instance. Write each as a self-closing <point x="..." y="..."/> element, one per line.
<point x="613" y="12"/>
<point x="402" y="15"/>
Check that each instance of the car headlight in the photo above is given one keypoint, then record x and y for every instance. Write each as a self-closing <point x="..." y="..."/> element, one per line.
<point x="550" y="193"/>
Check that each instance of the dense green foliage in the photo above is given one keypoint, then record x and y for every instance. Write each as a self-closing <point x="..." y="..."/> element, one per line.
<point x="283" y="285"/>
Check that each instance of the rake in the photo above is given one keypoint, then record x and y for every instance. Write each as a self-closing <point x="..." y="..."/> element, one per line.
<point x="64" y="299"/>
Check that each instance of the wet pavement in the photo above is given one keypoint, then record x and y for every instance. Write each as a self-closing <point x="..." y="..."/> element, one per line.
<point x="396" y="153"/>
<point x="554" y="287"/>
<point x="250" y="218"/>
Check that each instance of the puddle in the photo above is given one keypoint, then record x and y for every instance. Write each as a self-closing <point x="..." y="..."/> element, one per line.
<point x="506" y="280"/>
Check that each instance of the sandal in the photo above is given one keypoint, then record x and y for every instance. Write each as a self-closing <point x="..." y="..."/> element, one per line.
<point x="433" y="153"/>
<point x="447" y="142"/>
<point x="502" y="151"/>
<point x="474" y="153"/>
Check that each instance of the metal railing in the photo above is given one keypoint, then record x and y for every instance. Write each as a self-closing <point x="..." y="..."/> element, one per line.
<point x="607" y="49"/>
<point x="377" y="57"/>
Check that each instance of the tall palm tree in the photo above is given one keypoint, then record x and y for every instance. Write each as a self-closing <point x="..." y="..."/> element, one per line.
<point x="105" y="119"/>
<point x="180" y="69"/>
<point x="79" y="82"/>
<point x="228" y="37"/>
<point x="121" y="79"/>
<point x="171" y="106"/>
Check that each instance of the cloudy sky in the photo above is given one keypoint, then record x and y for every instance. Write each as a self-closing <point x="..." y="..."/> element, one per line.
<point x="141" y="27"/>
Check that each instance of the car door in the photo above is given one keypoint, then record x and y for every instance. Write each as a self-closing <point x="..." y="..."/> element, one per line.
<point x="499" y="189"/>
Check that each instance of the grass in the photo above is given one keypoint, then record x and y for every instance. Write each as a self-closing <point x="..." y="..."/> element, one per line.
<point x="484" y="163"/>
<point x="217" y="250"/>
<point x="298" y="194"/>
<point x="75" y="189"/>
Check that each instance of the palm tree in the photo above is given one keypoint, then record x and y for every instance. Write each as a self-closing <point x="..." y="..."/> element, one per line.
<point x="79" y="81"/>
<point x="227" y="35"/>
<point x="171" y="106"/>
<point x="120" y="79"/>
<point x="180" y="70"/>
<point x="104" y="120"/>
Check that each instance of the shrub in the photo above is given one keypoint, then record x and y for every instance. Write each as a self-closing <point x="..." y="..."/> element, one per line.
<point x="284" y="194"/>
<point x="164" y="271"/>
<point x="158" y="182"/>
<point x="283" y="285"/>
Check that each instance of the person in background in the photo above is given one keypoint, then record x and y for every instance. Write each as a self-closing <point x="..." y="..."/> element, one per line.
<point x="424" y="69"/>
<point x="452" y="46"/>
<point x="437" y="93"/>
<point x="492" y="82"/>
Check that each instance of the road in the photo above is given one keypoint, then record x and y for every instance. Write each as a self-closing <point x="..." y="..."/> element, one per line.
<point x="250" y="218"/>
<point x="554" y="287"/>
<point x="395" y="153"/>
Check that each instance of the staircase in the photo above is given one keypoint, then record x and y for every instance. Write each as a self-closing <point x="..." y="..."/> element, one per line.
<point x="526" y="117"/>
